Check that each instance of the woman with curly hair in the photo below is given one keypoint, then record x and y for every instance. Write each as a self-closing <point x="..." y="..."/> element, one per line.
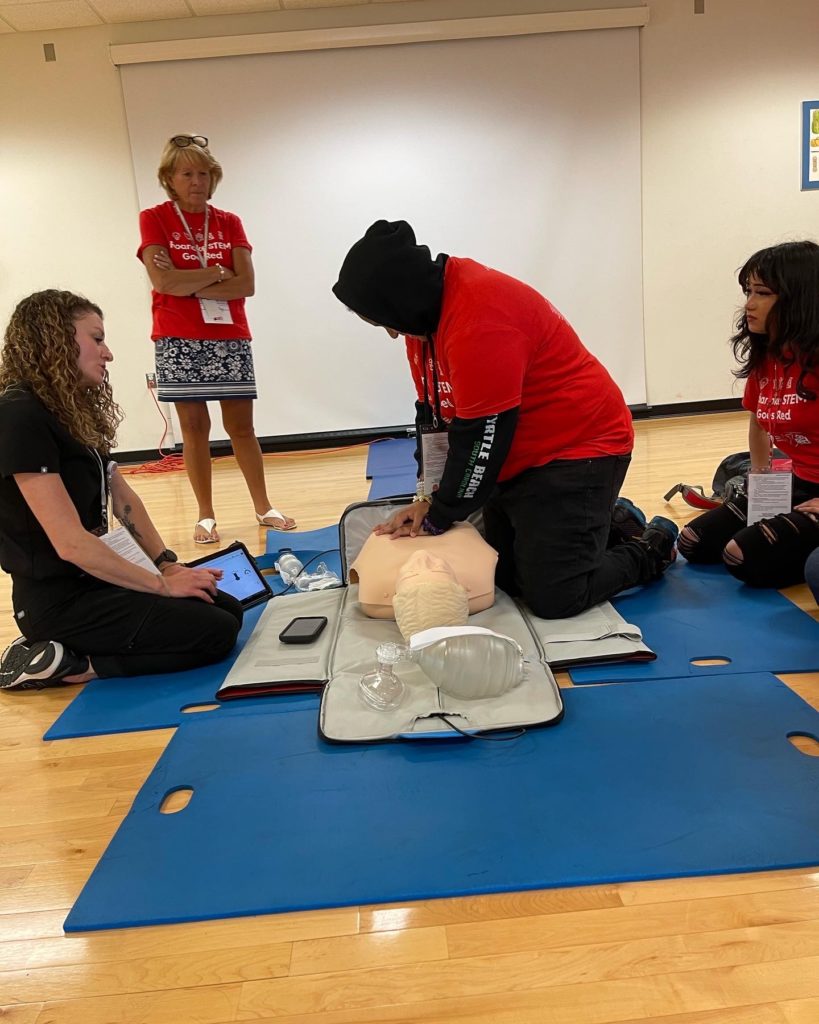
<point x="83" y="609"/>
<point x="198" y="259"/>
<point x="777" y="347"/>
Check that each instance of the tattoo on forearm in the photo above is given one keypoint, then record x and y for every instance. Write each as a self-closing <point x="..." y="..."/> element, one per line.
<point x="127" y="522"/>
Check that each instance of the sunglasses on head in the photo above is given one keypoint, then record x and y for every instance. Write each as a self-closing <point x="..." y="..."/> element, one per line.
<point x="190" y="140"/>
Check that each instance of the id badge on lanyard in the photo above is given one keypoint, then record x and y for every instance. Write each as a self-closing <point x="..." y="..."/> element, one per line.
<point x="214" y="311"/>
<point x="432" y="438"/>
<point x="770" y="492"/>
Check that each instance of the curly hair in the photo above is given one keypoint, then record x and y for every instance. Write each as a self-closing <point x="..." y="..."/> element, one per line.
<point x="40" y="353"/>
<point x="791" y="271"/>
<point x="174" y="156"/>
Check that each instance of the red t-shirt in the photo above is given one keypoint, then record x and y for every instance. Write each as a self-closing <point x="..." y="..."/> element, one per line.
<point x="792" y="422"/>
<point x="500" y="344"/>
<point x="180" y="316"/>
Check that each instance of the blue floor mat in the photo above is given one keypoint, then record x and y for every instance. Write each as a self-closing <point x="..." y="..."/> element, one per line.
<point x="160" y="701"/>
<point x="686" y="777"/>
<point x="390" y="456"/>
<point x="699" y="611"/>
<point x="165" y="700"/>
<point x="390" y="485"/>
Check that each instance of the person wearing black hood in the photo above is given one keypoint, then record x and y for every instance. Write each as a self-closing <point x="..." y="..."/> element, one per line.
<point x="538" y="434"/>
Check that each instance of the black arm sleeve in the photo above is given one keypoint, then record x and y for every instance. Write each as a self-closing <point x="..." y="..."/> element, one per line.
<point x="477" y="450"/>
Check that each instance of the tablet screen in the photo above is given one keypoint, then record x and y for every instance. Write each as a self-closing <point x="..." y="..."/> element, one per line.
<point x="241" y="577"/>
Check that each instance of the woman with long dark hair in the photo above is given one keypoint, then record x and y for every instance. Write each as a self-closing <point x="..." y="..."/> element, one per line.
<point x="777" y="347"/>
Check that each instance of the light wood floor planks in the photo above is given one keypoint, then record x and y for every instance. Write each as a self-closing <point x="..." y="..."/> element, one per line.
<point x="735" y="949"/>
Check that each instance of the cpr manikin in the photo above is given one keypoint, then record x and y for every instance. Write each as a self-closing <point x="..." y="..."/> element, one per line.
<point x="431" y="602"/>
<point x="458" y="558"/>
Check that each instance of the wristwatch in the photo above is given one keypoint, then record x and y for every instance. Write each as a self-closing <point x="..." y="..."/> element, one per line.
<point x="166" y="556"/>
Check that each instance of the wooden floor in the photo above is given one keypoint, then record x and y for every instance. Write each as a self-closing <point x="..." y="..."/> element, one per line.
<point x="736" y="949"/>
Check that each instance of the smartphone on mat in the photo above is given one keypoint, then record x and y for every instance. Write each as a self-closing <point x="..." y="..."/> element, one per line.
<point x="303" y="630"/>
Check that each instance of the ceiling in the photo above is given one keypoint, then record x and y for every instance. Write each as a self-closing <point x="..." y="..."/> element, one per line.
<point x="43" y="15"/>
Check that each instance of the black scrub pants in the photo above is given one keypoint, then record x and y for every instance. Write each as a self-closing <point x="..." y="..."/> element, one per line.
<point x="550" y="526"/>
<point x="124" y="632"/>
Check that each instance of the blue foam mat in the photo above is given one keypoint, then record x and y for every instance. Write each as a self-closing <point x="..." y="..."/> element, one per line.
<point x="160" y="701"/>
<point x="698" y="612"/>
<point x="685" y="777"/>
<point x="164" y="700"/>
<point x="391" y="455"/>
<point x="391" y="485"/>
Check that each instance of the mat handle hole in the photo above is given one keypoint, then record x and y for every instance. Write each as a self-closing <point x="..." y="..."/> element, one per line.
<point x="176" y="800"/>
<point x="805" y="743"/>
<point x="706" y="662"/>
<point x="190" y="709"/>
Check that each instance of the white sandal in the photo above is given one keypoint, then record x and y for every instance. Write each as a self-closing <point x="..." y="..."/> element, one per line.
<point x="273" y="513"/>
<point x="208" y="525"/>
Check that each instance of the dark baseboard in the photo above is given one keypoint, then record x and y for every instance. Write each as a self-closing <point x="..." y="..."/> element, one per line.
<point x="645" y="412"/>
<point x="344" y="438"/>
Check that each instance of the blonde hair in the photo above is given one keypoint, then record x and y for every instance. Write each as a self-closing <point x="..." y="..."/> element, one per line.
<point x="430" y="604"/>
<point x="40" y="353"/>
<point x="173" y="157"/>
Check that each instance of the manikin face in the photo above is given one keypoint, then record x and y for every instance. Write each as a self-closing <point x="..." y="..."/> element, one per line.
<point x="94" y="355"/>
<point x="759" y="301"/>
<point x="422" y="567"/>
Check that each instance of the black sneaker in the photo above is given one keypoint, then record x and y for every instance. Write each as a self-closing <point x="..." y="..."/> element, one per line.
<point x="35" y="664"/>
<point x="660" y="537"/>
<point x="627" y="522"/>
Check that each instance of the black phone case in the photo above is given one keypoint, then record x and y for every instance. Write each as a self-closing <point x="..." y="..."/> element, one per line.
<point x="304" y="638"/>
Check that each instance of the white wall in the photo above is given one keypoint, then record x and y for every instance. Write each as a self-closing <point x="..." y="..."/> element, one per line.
<point x="721" y="105"/>
<point x="721" y="102"/>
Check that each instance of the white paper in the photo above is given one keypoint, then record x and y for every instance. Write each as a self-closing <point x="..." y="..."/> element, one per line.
<point x="769" y="495"/>
<point x="121" y="541"/>
<point x="434" y="450"/>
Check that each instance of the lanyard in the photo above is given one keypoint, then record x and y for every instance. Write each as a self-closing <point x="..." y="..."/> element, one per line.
<point x="777" y="392"/>
<point x="436" y="410"/>
<point x="202" y="252"/>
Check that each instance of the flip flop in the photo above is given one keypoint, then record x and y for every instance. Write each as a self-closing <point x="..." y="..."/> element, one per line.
<point x="208" y="525"/>
<point x="273" y="513"/>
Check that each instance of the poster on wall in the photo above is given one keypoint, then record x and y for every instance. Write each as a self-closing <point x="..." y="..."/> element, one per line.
<point x="810" y="144"/>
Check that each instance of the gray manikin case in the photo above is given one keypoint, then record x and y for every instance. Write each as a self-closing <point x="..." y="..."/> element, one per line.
<point x="348" y="645"/>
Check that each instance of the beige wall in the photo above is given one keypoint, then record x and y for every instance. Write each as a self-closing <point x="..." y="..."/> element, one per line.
<point x="721" y="108"/>
<point x="721" y="96"/>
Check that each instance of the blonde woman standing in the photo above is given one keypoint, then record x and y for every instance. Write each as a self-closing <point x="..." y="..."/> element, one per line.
<point x="199" y="263"/>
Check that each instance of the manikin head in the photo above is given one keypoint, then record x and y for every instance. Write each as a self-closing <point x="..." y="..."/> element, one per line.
<point x="427" y="594"/>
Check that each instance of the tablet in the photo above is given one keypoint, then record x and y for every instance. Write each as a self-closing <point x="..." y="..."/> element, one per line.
<point x="241" y="576"/>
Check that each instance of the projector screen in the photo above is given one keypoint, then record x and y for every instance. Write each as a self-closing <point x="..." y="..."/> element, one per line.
<point x="520" y="152"/>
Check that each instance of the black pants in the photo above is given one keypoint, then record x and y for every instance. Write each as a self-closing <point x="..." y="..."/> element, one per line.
<point x="123" y="632"/>
<point x="550" y="527"/>
<point x="774" y="551"/>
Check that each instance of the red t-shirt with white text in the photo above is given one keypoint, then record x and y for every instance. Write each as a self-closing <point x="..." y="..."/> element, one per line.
<point x="499" y="345"/>
<point x="180" y="316"/>
<point x="792" y="422"/>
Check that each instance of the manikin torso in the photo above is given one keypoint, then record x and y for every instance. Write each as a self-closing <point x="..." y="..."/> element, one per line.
<point x="381" y="559"/>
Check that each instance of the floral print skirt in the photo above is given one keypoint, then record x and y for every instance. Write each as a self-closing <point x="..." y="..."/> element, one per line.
<point x="188" y="370"/>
